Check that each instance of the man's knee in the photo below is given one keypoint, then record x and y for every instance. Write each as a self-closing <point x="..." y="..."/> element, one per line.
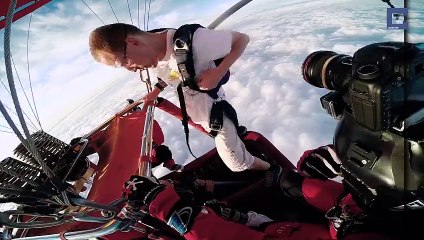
<point x="235" y="162"/>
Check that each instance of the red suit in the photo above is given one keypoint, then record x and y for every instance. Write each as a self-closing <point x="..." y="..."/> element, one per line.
<point x="207" y="225"/>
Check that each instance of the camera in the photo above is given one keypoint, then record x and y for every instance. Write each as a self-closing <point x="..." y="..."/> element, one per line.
<point x="378" y="97"/>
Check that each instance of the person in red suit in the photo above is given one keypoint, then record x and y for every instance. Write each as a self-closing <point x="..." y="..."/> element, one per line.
<point x="309" y="183"/>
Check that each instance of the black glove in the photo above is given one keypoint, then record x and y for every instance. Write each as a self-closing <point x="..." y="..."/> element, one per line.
<point x="229" y="214"/>
<point x="321" y="163"/>
<point x="141" y="190"/>
<point x="163" y="153"/>
<point x="273" y="175"/>
<point x="75" y="141"/>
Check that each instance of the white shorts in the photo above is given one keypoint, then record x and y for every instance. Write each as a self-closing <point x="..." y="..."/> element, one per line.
<point x="231" y="149"/>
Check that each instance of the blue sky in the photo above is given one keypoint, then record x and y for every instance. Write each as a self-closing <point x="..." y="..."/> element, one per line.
<point x="64" y="75"/>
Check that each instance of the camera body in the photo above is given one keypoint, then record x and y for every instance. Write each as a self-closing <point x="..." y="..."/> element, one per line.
<point x="378" y="96"/>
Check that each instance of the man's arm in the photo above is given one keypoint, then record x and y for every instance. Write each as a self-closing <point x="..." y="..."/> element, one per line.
<point x="210" y="78"/>
<point x="153" y="95"/>
<point x="239" y="44"/>
<point x="202" y="223"/>
<point x="192" y="222"/>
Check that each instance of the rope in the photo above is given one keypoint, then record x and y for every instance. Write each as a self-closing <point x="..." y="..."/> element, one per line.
<point x="29" y="74"/>
<point x="32" y="124"/>
<point x="113" y="11"/>
<point x="388" y="3"/>
<point x="129" y="11"/>
<point x="5" y="131"/>
<point x="144" y="17"/>
<point x="148" y="16"/>
<point x="93" y="12"/>
<point x="5" y="127"/>
<point x="22" y="87"/>
<point x="138" y="13"/>
<point x="29" y="144"/>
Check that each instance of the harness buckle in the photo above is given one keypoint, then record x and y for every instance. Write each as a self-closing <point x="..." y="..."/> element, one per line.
<point x="215" y="127"/>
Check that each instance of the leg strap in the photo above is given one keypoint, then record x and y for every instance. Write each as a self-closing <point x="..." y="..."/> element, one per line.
<point x="219" y="108"/>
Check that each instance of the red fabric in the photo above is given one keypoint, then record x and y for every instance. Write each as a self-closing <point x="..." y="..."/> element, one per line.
<point x="169" y="163"/>
<point x="297" y="231"/>
<point x="25" y="6"/>
<point x="206" y="223"/>
<point x="321" y="194"/>
<point x="209" y="226"/>
<point x="118" y="146"/>
<point x="163" y="203"/>
<point x="257" y="144"/>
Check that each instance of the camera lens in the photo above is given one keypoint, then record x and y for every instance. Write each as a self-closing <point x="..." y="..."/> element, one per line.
<point x="326" y="69"/>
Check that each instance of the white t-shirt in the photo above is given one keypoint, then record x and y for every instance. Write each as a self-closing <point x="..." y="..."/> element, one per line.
<point x="208" y="45"/>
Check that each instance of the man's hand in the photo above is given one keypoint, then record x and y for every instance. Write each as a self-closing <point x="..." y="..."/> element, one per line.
<point x="210" y="78"/>
<point x="151" y="96"/>
<point x="141" y="190"/>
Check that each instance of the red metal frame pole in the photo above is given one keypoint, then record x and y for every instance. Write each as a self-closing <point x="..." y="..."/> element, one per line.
<point x="175" y="111"/>
<point x="31" y="6"/>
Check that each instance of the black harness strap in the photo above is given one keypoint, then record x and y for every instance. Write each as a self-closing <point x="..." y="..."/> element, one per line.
<point x="185" y="119"/>
<point x="183" y="52"/>
<point x="216" y="120"/>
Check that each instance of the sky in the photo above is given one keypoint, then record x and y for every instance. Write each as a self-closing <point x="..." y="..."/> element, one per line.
<point x="74" y="94"/>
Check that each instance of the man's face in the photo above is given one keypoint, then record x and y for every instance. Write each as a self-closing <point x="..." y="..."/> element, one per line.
<point x="137" y="54"/>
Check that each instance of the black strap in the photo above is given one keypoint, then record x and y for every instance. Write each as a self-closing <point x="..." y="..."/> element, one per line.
<point x="185" y="116"/>
<point x="216" y="119"/>
<point x="183" y="37"/>
<point x="157" y="30"/>
<point x="183" y="51"/>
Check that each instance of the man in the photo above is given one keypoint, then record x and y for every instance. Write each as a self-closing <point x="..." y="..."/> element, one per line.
<point x="123" y="45"/>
